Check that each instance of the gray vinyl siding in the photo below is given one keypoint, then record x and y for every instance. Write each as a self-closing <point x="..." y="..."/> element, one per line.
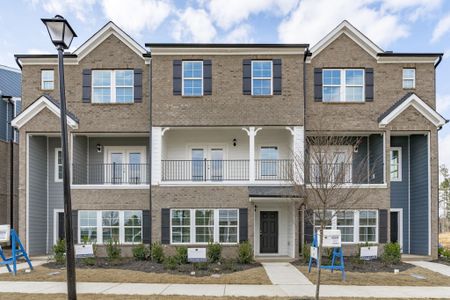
<point x="3" y="120"/>
<point x="80" y="159"/>
<point x="360" y="163"/>
<point x="399" y="189"/>
<point x="376" y="147"/>
<point x="37" y="195"/>
<point x="419" y="194"/>
<point x="55" y="189"/>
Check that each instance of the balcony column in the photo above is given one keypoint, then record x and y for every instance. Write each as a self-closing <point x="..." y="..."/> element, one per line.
<point x="298" y="150"/>
<point x="157" y="134"/>
<point x="251" y="132"/>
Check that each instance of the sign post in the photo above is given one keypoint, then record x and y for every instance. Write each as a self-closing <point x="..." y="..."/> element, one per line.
<point x="17" y="250"/>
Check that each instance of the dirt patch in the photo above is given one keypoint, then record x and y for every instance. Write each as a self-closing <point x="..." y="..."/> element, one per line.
<point x="444" y="239"/>
<point x="353" y="264"/>
<point x="442" y="260"/>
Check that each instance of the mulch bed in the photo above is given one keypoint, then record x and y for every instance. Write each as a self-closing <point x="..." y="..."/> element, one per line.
<point x="200" y="269"/>
<point x="442" y="260"/>
<point x="354" y="264"/>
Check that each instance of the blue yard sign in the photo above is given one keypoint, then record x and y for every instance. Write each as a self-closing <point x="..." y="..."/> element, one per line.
<point x="17" y="250"/>
<point x="337" y="260"/>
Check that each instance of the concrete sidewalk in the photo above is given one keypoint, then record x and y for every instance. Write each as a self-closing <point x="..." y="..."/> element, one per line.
<point x="435" y="267"/>
<point x="282" y="290"/>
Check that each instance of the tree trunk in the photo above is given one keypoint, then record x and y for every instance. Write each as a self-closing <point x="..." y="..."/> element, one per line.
<point x="319" y="262"/>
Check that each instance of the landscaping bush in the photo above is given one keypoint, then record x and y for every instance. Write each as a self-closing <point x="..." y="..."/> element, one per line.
<point x="441" y="250"/>
<point x="59" y="251"/>
<point x="113" y="250"/>
<point x="446" y="254"/>
<point x="141" y="252"/>
<point x="245" y="253"/>
<point x="392" y="254"/>
<point x="171" y="262"/>
<point x="201" y="266"/>
<point x="213" y="252"/>
<point x="306" y="252"/>
<point x="182" y="255"/>
<point x="157" y="252"/>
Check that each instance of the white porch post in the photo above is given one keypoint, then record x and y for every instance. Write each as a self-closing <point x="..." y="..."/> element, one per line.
<point x="298" y="150"/>
<point x="251" y="155"/>
<point x="156" y="155"/>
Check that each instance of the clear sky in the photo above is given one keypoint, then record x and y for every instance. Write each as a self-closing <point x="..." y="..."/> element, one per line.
<point x="399" y="25"/>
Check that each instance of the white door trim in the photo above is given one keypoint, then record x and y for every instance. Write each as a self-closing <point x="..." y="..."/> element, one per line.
<point x="56" y="211"/>
<point x="400" y="225"/>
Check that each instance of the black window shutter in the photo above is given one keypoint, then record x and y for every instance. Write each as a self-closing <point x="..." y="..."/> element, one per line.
<point x="317" y="84"/>
<point x="247" y="77"/>
<point x="137" y="85"/>
<point x="382" y="226"/>
<point x="243" y="225"/>
<point x="276" y="76"/>
<point x="146" y="226"/>
<point x="165" y="226"/>
<point x="207" y="77"/>
<point x="308" y="220"/>
<point x="369" y="84"/>
<point x="75" y="226"/>
<point x="177" y="69"/>
<point x="87" y="78"/>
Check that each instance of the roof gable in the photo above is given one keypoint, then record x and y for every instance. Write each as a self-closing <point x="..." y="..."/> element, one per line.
<point x="411" y="100"/>
<point x="109" y="29"/>
<point x="348" y="29"/>
<point x="37" y="106"/>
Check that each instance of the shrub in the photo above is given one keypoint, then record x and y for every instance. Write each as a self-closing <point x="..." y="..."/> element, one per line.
<point x="245" y="253"/>
<point x="113" y="250"/>
<point x="182" y="255"/>
<point x="157" y="252"/>
<point x="60" y="252"/>
<point x="441" y="250"/>
<point x="446" y="254"/>
<point x="306" y="252"/>
<point x="392" y="254"/>
<point x="201" y="266"/>
<point x="213" y="252"/>
<point x="171" y="262"/>
<point x="141" y="252"/>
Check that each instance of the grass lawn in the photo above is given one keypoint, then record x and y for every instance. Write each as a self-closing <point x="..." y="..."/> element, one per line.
<point x="444" y="239"/>
<point x="404" y="278"/>
<point x="255" y="275"/>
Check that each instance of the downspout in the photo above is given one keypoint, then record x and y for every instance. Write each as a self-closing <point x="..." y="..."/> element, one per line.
<point x="304" y="146"/>
<point x="18" y="63"/>
<point x="150" y="149"/>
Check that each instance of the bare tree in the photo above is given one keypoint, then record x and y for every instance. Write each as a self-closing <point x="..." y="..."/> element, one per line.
<point x="329" y="176"/>
<point x="444" y="198"/>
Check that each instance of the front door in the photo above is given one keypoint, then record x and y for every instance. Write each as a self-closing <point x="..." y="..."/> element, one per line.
<point x="268" y="239"/>
<point x="396" y="228"/>
<point x="61" y="235"/>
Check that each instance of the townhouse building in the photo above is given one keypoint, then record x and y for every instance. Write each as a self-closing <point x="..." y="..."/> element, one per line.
<point x="186" y="144"/>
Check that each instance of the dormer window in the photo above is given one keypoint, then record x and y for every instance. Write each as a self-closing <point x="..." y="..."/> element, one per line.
<point x="112" y="86"/>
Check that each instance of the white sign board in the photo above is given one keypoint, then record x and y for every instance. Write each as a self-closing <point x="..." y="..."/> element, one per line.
<point x="368" y="253"/>
<point x="313" y="252"/>
<point x="331" y="238"/>
<point x="5" y="233"/>
<point x="83" y="251"/>
<point x="197" y="255"/>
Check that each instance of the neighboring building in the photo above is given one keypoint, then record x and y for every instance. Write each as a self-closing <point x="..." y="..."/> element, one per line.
<point x="211" y="158"/>
<point x="10" y="106"/>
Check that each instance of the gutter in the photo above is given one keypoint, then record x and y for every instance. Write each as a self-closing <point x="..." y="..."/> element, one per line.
<point x="18" y="62"/>
<point x="438" y="61"/>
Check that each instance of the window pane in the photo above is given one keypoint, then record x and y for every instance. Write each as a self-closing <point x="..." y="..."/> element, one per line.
<point x="48" y="75"/>
<point x="124" y="95"/>
<point x="408" y="83"/>
<point x="101" y="78"/>
<point x="354" y="93"/>
<point x="227" y="217"/>
<point x="181" y="235"/>
<point x="409" y="73"/>
<point x="228" y="235"/>
<point x="110" y="234"/>
<point x="204" y="234"/>
<point x="354" y="77"/>
<point x="133" y="235"/>
<point x="110" y="218"/>
<point x="181" y="217"/>
<point x="204" y="217"/>
<point x="132" y="218"/>
<point x="48" y="85"/>
<point x="88" y="234"/>
<point x="262" y="86"/>
<point x="101" y="95"/>
<point x="367" y="234"/>
<point x="192" y="87"/>
<point x="192" y="69"/>
<point x="331" y="93"/>
<point x="331" y="77"/>
<point x="262" y="68"/>
<point x="345" y="218"/>
<point x="124" y="77"/>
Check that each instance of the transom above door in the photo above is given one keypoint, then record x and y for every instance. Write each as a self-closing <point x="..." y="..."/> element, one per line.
<point x="125" y="165"/>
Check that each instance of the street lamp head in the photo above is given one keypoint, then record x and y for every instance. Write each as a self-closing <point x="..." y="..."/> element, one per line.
<point x="60" y="31"/>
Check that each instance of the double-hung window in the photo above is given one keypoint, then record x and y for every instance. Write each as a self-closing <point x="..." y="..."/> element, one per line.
<point x="396" y="164"/>
<point x="132" y="226"/>
<point x="47" y="79"/>
<point x="58" y="165"/>
<point x="112" y="86"/>
<point x="346" y="223"/>
<point x="204" y="225"/>
<point x="368" y="226"/>
<point x="110" y="226"/>
<point x="192" y="78"/>
<point x="409" y="78"/>
<point x="343" y="85"/>
<point x="228" y="222"/>
<point x="262" y="80"/>
<point x="88" y="226"/>
<point x="181" y="225"/>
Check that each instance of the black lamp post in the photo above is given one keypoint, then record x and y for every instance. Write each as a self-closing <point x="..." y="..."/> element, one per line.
<point x="62" y="35"/>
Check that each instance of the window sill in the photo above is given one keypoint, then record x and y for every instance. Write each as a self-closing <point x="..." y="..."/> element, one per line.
<point x="46" y="90"/>
<point x="262" y="96"/>
<point x="182" y="96"/>
<point x="343" y="102"/>
<point x="111" y="103"/>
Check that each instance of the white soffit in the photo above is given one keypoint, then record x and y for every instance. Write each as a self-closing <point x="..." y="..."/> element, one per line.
<point x="35" y="108"/>
<point x="414" y="101"/>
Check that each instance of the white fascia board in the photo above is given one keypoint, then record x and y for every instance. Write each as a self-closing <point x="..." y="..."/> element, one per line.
<point x="418" y="104"/>
<point x="35" y="108"/>
<point x="348" y="29"/>
<point x="108" y="30"/>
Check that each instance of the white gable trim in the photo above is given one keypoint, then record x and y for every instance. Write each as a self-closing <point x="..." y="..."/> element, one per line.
<point x="109" y="29"/>
<point x="348" y="29"/>
<point x="35" y="108"/>
<point x="418" y="104"/>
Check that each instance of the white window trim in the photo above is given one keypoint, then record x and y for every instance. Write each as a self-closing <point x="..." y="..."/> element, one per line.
<point x="192" y="225"/>
<point x="191" y="78"/>
<point x="57" y="179"/>
<point x="356" y="225"/>
<point x="413" y="78"/>
<point x="263" y="78"/>
<point x="100" y="226"/>
<point x="44" y="81"/>
<point x="399" y="149"/>
<point x="349" y="226"/>
<point x="112" y="87"/>
<point x="343" y="86"/>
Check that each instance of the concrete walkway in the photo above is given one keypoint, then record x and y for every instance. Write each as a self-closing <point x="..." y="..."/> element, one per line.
<point x="23" y="265"/>
<point x="285" y="273"/>
<point x="435" y="267"/>
<point x="234" y="290"/>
